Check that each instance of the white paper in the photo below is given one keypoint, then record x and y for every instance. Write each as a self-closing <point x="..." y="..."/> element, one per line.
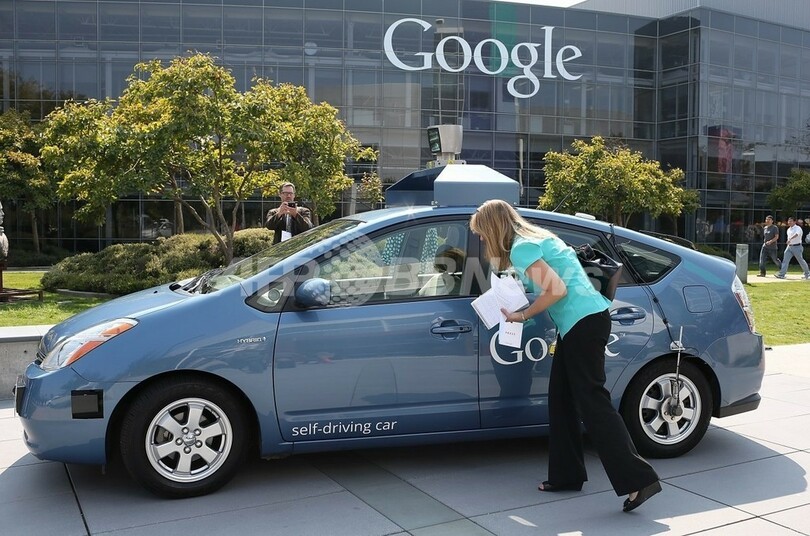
<point x="510" y="334"/>
<point x="509" y="292"/>
<point x="488" y="309"/>
<point x="504" y="293"/>
<point x="285" y="235"/>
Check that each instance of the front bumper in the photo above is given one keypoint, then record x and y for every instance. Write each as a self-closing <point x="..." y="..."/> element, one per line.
<point x="63" y="415"/>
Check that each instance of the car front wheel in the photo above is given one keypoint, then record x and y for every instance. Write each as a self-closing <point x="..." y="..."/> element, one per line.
<point x="662" y="424"/>
<point x="183" y="438"/>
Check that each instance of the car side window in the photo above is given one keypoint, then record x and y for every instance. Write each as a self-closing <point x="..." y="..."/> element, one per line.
<point x="416" y="262"/>
<point x="578" y="237"/>
<point x="649" y="262"/>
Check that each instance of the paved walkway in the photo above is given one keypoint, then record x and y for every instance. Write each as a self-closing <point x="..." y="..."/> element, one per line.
<point x="748" y="476"/>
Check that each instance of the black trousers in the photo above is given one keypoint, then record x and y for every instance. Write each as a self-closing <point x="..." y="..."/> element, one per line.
<point x="577" y="393"/>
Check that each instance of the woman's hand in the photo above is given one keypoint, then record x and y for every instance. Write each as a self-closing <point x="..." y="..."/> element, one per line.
<point x="517" y="316"/>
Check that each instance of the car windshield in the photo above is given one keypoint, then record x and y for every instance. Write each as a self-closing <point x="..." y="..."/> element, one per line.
<point x="246" y="268"/>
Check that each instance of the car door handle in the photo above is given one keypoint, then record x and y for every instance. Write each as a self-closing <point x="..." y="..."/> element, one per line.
<point x="444" y="330"/>
<point x="628" y="315"/>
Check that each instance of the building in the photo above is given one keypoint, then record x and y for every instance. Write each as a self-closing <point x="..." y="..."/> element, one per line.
<point x="719" y="88"/>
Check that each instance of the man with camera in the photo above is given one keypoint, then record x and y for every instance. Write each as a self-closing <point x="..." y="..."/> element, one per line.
<point x="288" y="219"/>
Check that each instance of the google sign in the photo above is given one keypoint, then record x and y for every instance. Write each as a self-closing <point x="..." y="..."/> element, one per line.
<point x="500" y="52"/>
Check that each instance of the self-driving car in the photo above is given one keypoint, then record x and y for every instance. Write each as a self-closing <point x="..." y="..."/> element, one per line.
<point x="360" y="333"/>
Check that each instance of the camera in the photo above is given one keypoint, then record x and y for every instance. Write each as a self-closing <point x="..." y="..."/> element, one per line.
<point x="291" y="204"/>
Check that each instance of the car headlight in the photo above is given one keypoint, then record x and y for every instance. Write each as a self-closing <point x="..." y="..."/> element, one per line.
<point x="73" y="348"/>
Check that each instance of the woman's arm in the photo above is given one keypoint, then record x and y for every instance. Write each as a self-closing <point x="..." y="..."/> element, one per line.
<point x="554" y="289"/>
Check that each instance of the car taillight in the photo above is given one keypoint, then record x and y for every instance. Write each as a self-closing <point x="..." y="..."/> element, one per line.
<point x="745" y="303"/>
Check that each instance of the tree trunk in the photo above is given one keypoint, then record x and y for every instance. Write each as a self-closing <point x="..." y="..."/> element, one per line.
<point x="35" y="231"/>
<point x="179" y="223"/>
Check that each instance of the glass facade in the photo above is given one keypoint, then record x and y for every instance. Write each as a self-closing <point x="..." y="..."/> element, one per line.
<point x="724" y="97"/>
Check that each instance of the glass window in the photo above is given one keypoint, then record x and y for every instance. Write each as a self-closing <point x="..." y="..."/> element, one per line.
<point x="675" y="50"/>
<point x="767" y="57"/>
<point x="720" y="48"/>
<point x="586" y="42"/>
<point x="580" y="19"/>
<point x="612" y="51"/>
<point x="118" y="22"/>
<point x="746" y="26"/>
<point x="37" y="80"/>
<point x="328" y="86"/>
<point x="547" y="16"/>
<point x="643" y="51"/>
<point x="649" y="263"/>
<point x="324" y="29"/>
<point x="77" y="20"/>
<point x="744" y="52"/>
<point x="6" y="20"/>
<point x="283" y="26"/>
<point x="364" y="88"/>
<point x="421" y="261"/>
<point x="36" y="20"/>
<point x="160" y="23"/>
<point x="607" y="22"/>
<point x="242" y="25"/>
<point x="769" y="31"/>
<point x="364" y="31"/>
<point x="789" y="61"/>
<point x="722" y="21"/>
<point x="114" y="78"/>
<point x="202" y="24"/>
<point x="78" y="80"/>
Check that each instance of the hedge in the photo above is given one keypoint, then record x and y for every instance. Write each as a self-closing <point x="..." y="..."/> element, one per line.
<point x="125" y="268"/>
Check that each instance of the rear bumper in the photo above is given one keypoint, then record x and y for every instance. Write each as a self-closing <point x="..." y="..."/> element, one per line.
<point x="746" y="404"/>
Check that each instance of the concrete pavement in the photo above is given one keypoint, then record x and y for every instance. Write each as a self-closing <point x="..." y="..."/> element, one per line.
<point x="748" y="476"/>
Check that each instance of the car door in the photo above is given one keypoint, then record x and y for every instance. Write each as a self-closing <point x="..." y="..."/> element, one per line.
<point x="514" y="381"/>
<point x="385" y="356"/>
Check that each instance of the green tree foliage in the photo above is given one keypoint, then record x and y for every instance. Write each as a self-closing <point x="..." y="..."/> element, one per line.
<point x="21" y="174"/>
<point x="184" y="131"/>
<point x="612" y="182"/>
<point x="792" y="195"/>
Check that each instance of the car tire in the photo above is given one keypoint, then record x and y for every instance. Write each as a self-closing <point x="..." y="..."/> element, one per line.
<point x="657" y="431"/>
<point x="183" y="437"/>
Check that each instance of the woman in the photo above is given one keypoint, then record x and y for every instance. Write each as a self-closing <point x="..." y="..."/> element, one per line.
<point x="548" y="267"/>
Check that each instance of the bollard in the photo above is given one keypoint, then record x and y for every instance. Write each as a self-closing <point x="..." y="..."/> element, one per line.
<point x="742" y="262"/>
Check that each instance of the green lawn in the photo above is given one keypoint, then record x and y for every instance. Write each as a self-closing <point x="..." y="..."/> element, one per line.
<point x="51" y="310"/>
<point x="778" y="307"/>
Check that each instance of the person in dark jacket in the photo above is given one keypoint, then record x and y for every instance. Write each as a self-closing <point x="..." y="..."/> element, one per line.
<point x="289" y="219"/>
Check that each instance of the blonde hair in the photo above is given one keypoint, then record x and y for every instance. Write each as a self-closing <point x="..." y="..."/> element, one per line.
<point x="497" y="222"/>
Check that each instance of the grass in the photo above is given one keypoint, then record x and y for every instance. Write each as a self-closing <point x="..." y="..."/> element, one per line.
<point x="51" y="310"/>
<point x="777" y="307"/>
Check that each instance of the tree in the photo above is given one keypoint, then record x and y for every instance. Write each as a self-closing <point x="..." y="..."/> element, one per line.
<point x="792" y="195"/>
<point x="185" y="132"/>
<point x="612" y="182"/>
<point x="23" y="177"/>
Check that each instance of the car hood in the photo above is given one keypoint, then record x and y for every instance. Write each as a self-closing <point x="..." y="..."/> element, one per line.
<point x="133" y="305"/>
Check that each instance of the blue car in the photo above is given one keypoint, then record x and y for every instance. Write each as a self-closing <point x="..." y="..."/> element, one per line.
<point x="360" y="333"/>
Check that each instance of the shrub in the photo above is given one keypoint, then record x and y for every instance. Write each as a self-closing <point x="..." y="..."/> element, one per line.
<point x="711" y="250"/>
<point x="125" y="268"/>
<point x="250" y="241"/>
<point x="48" y="256"/>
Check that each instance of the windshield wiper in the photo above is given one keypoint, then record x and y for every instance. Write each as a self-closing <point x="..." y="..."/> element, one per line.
<point x="198" y="282"/>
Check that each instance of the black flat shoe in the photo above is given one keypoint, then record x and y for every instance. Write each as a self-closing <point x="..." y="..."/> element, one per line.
<point x="642" y="495"/>
<point x="548" y="486"/>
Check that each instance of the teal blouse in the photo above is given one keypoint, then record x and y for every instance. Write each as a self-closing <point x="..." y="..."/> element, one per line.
<point x="582" y="298"/>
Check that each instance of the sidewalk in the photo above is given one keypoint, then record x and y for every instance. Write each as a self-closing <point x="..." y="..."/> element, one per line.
<point x="749" y="475"/>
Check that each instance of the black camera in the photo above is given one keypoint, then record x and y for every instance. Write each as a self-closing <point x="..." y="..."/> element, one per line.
<point x="291" y="204"/>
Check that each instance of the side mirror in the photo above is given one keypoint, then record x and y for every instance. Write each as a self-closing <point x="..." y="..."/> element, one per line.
<point x="315" y="292"/>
